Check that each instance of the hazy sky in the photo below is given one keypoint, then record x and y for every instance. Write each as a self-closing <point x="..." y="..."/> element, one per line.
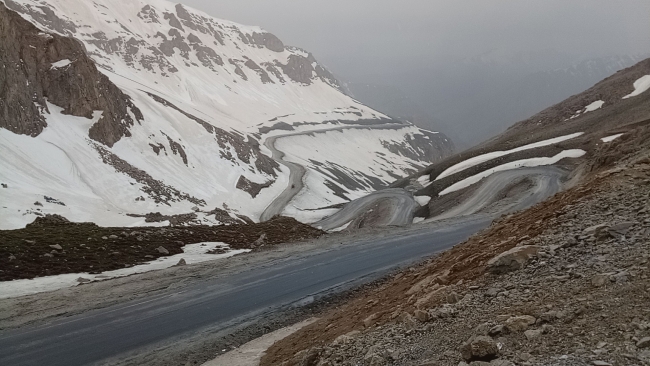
<point x="356" y="37"/>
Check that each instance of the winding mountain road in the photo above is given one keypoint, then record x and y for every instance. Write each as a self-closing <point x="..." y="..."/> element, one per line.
<point x="297" y="171"/>
<point x="547" y="181"/>
<point x="402" y="207"/>
<point x="219" y="304"/>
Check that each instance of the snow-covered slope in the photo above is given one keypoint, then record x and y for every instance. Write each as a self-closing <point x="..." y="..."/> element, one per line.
<point x="197" y="97"/>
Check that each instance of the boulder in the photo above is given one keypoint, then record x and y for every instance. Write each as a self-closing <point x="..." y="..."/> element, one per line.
<point x="643" y="342"/>
<point x="421" y="315"/>
<point x="532" y="334"/>
<point x="512" y="259"/>
<point x="519" y="323"/>
<point x="481" y="348"/>
<point x="162" y="250"/>
<point x="56" y="246"/>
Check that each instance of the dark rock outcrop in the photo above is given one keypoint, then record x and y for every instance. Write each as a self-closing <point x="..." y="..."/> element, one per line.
<point x="298" y="69"/>
<point x="55" y="68"/>
<point x="269" y="41"/>
<point x="251" y="187"/>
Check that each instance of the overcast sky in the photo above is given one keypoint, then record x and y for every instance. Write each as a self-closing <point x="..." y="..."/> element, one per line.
<point x="356" y="37"/>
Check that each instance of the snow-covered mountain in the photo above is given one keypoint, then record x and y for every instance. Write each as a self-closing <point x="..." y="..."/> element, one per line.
<point x="112" y="111"/>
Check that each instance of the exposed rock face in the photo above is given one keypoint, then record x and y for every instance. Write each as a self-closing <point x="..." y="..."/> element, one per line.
<point x="298" y="69"/>
<point x="56" y="69"/>
<point x="269" y="41"/>
<point x="250" y="187"/>
<point x="512" y="259"/>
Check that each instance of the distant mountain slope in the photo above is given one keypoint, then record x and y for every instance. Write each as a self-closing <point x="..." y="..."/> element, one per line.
<point x="161" y="108"/>
<point x="481" y="96"/>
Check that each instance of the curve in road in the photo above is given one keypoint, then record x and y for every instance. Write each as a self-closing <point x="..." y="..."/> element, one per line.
<point x="297" y="171"/>
<point x="402" y="209"/>
<point x="547" y="182"/>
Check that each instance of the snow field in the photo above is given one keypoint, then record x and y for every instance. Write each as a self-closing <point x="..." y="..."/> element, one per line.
<point x="357" y="152"/>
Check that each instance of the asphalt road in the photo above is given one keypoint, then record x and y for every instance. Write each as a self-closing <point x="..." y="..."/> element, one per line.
<point x="297" y="171"/>
<point x="402" y="207"/>
<point x="220" y="303"/>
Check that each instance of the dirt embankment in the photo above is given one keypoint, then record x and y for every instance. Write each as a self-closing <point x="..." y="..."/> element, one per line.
<point x="52" y="245"/>
<point x="573" y="292"/>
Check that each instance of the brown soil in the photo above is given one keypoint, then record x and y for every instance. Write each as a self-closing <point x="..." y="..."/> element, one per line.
<point x="85" y="247"/>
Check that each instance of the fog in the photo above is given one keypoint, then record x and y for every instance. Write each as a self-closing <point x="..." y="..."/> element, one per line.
<point x="455" y="66"/>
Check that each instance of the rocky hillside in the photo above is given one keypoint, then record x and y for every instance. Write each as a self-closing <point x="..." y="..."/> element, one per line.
<point x="614" y="106"/>
<point x="563" y="283"/>
<point x="111" y="111"/>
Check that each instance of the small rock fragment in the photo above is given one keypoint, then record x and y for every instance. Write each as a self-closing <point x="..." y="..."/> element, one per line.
<point x="533" y="334"/>
<point x="643" y="342"/>
<point x="519" y="323"/>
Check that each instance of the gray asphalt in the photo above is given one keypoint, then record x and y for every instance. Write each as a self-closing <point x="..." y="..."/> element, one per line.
<point x="402" y="207"/>
<point x="297" y="171"/>
<point x="220" y="303"/>
<point x="547" y="181"/>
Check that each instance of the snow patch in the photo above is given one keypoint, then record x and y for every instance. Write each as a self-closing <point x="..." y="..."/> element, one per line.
<point x="575" y="153"/>
<point x="425" y="180"/>
<point x="496" y="154"/>
<point x="595" y="105"/>
<point x="192" y="253"/>
<point x="611" y="138"/>
<point x="417" y="220"/>
<point x="60" y="64"/>
<point x="340" y="228"/>
<point x="422" y="200"/>
<point x="640" y="85"/>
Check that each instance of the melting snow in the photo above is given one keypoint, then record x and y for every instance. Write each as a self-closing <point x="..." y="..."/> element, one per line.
<point x="595" y="105"/>
<point x="575" y="153"/>
<point x="340" y="228"/>
<point x="422" y="200"/>
<point x="640" y="86"/>
<point x="611" y="138"/>
<point x="424" y="180"/>
<point x="496" y="154"/>
<point x="60" y="64"/>
<point x="192" y="253"/>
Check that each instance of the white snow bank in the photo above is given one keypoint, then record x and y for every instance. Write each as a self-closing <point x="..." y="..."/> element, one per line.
<point x="640" y="86"/>
<point x="422" y="200"/>
<point x="192" y="253"/>
<point x="595" y="105"/>
<point x="424" y="180"/>
<point x="340" y="228"/>
<point x="611" y="138"/>
<point x="60" y="64"/>
<point x="496" y="154"/>
<point x="575" y="153"/>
